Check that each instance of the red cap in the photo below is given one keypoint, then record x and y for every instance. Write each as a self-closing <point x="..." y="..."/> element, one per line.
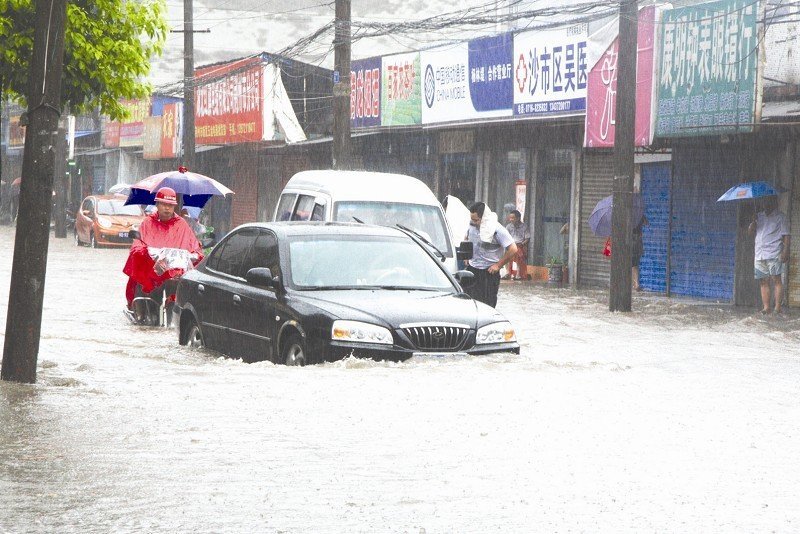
<point x="167" y="196"/>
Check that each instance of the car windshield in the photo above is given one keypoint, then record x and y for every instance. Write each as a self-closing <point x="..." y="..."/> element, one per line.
<point x="427" y="220"/>
<point x="361" y="262"/>
<point x="117" y="207"/>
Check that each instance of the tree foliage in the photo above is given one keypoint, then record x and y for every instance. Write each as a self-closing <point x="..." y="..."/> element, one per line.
<point x="107" y="50"/>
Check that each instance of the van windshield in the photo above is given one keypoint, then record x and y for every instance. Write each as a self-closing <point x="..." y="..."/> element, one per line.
<point x="428" y="220"/>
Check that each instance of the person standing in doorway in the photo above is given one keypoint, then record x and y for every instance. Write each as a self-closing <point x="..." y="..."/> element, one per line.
<point x="771" y="252"/>
<point x="521" y="235"/>
<point x="493" y="247"/>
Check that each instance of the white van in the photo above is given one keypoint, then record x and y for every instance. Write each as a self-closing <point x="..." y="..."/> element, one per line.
<point x="370" y="197"/>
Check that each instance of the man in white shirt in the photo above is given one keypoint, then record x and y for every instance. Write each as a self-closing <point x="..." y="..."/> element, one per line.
<point x="488" y="256"/>
<point x="772" y="251"/>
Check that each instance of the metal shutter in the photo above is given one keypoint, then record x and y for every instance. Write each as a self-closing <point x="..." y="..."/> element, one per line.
<point x="655" y="236"/>
<point x="702" y="249"/>
<point x="794" y="245"/>
<point x="597" y="182"/>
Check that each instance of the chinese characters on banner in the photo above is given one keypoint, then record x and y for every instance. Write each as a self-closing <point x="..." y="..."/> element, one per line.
<point x="467" y="80"/>
<point x="151" y="148"/>
<point x="228" y="103"/>
<point x="171" y="129"/>
<point x="365" y="93"/>
<point x="550" y="71"/>
<point x="707" y="82"/>
<point x="602" y="88"/>
<point x="400" y="87"/>
<point x="131" y="132"/>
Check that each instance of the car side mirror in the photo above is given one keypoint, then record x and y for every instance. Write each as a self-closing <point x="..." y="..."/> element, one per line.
<point x="465" y="278"/>
<point x="87" y="213"/>
<point x="134" y="233"/>
<point x="261" y="276"/>
<point x="464" y="251"/>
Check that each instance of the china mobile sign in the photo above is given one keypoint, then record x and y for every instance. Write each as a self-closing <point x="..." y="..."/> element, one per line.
<point x="229" y="102"/>
<point x="365" y="93"/>
<point x="708" y="82"/>
<point x="601" y="107"/>
<point x="551" y="71"/>
<point x="467" y="80"/>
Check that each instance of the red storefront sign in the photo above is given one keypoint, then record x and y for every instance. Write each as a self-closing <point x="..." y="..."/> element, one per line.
<point x="131" y="132"/>
<point x="171" y="132"/>
<point x="229" y="103"/>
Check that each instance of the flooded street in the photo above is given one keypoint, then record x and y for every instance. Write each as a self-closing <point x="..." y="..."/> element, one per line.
<point x="681" y="416"/>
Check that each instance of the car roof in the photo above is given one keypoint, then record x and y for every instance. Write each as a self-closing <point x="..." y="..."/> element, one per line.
<point x="293" y="228"/>
<point x="363" y="185"/>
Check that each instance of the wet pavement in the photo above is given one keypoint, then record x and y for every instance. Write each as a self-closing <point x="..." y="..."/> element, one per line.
<point x="679" y="416"/>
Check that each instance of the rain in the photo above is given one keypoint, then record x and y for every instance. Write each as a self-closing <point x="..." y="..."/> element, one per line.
<point x="679" y="413"/>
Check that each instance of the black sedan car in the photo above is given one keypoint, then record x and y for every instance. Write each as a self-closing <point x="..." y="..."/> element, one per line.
<point x="304" y="292"/>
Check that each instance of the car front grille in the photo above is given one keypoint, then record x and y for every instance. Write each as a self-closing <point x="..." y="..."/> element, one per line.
<point x="436" y="337"/>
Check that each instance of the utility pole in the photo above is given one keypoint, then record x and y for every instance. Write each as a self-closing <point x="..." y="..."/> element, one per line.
<point x="624" y="140"/>
<point x="341" y="87"/>
<point x="188" y="85"/>
<point x="26" y="295"/>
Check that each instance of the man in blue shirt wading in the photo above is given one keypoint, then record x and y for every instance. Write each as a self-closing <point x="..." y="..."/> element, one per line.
<point x="497" y="248"/>
<point x="772" y="251"/>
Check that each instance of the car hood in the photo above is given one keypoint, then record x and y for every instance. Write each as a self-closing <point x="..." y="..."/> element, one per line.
<point x="396" y="307"/>
<point x="123" y="220"/>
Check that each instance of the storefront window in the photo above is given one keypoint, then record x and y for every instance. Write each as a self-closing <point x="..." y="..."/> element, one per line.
<point x="509" y="183"/>
<point x="458" y="177"/>
<point x="555" y="172"/>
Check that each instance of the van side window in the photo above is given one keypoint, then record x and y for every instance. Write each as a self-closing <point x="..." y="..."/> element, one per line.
<point x="284" y="211"/>
<point x="304" y="208"/>
<point x="319" y="212"/>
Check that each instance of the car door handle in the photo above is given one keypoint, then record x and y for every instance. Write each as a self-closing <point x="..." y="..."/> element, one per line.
<point x="237" y="299"/>
<point x="201" y="288"/>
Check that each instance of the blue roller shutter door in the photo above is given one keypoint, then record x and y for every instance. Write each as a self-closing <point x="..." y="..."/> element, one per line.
<point x="655" y="193"/>
<point x="702" y="249"/>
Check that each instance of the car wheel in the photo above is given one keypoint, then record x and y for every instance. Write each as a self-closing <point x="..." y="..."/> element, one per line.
<point x="194" y="337"/>
<point x="294" y="353"/>
<point x="92" y="241"/>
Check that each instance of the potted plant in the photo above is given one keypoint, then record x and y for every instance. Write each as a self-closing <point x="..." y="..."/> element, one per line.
<point x="555" y="271"/>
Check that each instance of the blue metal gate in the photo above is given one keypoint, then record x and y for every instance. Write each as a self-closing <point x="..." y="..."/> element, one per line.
<point x="703" y="240"/>
<point x="655" y="236"/>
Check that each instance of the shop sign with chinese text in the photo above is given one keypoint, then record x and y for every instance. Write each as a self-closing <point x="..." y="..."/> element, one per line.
<point x="601" y="97"/>
<point x="400" y="90"/>
<point x="467" y="80"/>
<point x="131" y="132"/>
<point x="229" y="103"/>
<point x="550" y="71"/>
<point x="708" y="69"/>
<point x="365" y="93"/>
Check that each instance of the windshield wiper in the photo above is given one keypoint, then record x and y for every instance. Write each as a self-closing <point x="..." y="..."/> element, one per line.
<point x="424" y="240"/>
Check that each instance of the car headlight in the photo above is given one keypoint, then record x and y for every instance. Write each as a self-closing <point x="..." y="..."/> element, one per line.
<point x="501" y="332"/>
<point x="105" y="223"/>
<point x="360" y="332"/>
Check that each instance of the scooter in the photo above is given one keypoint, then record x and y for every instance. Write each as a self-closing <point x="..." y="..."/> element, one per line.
<point x="155" y="308"/>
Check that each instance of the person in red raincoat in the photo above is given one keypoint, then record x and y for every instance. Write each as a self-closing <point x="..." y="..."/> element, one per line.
<point x="164" y="228"/>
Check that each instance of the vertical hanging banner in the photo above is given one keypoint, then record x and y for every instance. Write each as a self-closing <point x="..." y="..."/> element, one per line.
<point x="110" y="133"/>
<point x="708" y="69"/>
<point x="601" y="93"/>
<point x="365" y="93"/>
<point x="467" y="80"/>
<point x="151" y="148"/>
<point x="400" y="90"/>
<point x="550" y="71"/>
<point x="171" y="129"/>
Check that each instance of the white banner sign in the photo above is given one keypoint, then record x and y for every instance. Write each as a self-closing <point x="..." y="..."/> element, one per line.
<point x="551" y="71"/>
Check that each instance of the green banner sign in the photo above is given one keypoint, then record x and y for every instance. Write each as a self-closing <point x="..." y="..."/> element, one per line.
<point x="401" y="102"/>
<point x="708" y="69"/>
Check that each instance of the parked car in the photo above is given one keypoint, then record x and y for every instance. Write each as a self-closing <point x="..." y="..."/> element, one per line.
<point x="306" y="292"/>
<point x="105" y="220"/>
<point x="373" y="198"/>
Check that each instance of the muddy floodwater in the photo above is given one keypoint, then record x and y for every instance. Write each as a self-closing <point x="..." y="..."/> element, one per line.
<point x="681" y="416"/>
